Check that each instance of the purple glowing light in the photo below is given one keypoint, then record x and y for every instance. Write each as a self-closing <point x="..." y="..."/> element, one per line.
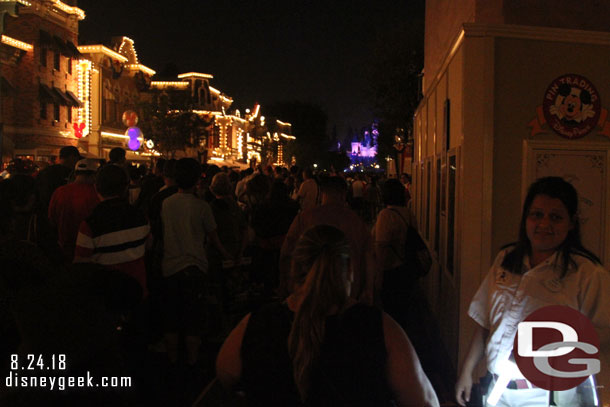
<point x="134" y="134"/>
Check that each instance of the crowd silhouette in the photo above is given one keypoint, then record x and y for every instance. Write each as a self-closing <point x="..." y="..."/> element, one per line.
<point x="143" y="272"/>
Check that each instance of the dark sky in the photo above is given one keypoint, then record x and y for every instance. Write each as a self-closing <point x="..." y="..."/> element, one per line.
<point x="261" y="51"/>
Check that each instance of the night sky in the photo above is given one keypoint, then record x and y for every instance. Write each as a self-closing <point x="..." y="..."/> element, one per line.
<point x="261" y="51"/>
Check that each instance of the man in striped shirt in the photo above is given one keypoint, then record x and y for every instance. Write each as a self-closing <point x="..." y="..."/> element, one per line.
<point x="115" y="233"/>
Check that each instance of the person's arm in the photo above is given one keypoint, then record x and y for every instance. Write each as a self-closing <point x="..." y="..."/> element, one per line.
<point x="85" y="246"/>
<point x="373" y="275"/>
<point x="52" y="212"/>
<point x="292" y="236"/>
<point x="228" y="361"/>
<point x="218" y="245"/>
<point x="473" y="357"/>
<point x="383" y="239"/>
<point x="408" y="382"/>
<point x="244" y="243"/>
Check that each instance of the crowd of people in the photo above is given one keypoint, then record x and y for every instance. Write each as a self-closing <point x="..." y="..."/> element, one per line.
<point x="177" y="254"/>
<point x="102" y="260"/>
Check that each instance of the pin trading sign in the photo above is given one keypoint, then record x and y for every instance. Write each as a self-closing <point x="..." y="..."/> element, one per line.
<point x="571" y="107"/>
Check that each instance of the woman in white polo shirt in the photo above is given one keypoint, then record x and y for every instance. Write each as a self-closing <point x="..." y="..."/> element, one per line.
<point x="547" y="266"/>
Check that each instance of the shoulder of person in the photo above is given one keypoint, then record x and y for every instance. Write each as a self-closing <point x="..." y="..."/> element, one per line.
<point x="385" y="213"/>
<point x="504" y="251"/>
<point x="584" y="262"/>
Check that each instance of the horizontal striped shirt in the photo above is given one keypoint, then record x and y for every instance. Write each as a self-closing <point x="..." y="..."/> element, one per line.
<point x="114" y="236"/>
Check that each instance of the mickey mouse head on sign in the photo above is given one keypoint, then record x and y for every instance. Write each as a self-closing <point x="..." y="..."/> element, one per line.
<point x="571" y="106"/>
<point x="78" y="129"/>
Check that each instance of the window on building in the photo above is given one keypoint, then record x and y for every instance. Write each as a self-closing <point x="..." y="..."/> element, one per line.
<point x="118" y="113"/>
<point x="56" y="111"/>
<point x="56" y="61"/>
<point x="43" y="56"/>
<point x="69" y="114"/>
<point x="110" y="111"/>
<point x="43" y="110"/>
<point x="69" y="65"/>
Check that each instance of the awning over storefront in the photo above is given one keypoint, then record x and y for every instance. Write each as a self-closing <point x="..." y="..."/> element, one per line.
<point x="45" y="94"/>
<point x="62" y="98"/>
<point x="5" y="86"/>
<point x="73" y="50"/>
<point x="60" y="46"/>
<point x="46" y="40"/>
<point x="74" y="100"/>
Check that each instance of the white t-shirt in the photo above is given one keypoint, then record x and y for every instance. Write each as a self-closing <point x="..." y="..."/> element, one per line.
<point x="390" y="235"/>
<point x="504" y="299"/>
<point x="357" y="189"/>
<point x="308" y="194"/>
<point x="186" y="222"/>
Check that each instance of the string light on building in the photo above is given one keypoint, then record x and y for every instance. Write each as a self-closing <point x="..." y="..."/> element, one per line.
<point x="240" y="144"/>
<point x="169" y="84"/>
<point x="254" y="154"/>
<point x="121" y="136"/>
<point x="24" y="46"/>
<point x="70" y="9"/>
<point x="84" y="67"/>
<point x="91" y="49"/>
<point x="196" y="75"/>
<point x="140" y="67"/>
<point x="128" y="41"/>
<point x="255" y="113"/>
<point x="22" y="2"/>
<point x="280" y="154"/>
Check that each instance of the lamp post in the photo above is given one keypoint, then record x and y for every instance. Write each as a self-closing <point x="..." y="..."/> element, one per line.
<point x="12" y="9"/>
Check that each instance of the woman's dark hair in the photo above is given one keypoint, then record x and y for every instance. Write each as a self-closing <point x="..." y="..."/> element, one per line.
<point x="111" y="181"/>
<point x="279" y="191"/>
<point x="394" y="193"/>
<point x="188" y="171"/>
<point x="169" y="168"/>
<point x="257" y="188"/>
<point x="117" y="155"/>
<point x="557" y="188"/>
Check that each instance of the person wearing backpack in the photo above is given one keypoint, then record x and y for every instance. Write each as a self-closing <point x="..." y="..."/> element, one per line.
<point x="390" y="236"/>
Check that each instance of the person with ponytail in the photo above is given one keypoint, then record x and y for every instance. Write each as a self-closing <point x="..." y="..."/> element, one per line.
<point x="320" y="347"/>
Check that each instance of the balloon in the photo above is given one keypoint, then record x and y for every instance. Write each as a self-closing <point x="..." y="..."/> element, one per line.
<point x="130" y="118"/>
<point x="134" y="134"/>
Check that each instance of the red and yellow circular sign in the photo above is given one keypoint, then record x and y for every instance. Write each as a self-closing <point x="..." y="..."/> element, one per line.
<point x="571" y="106"/>
<point x="557" y="348"/>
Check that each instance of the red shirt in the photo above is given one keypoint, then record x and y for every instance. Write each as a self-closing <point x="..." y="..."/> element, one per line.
<point x="70" y="205"/>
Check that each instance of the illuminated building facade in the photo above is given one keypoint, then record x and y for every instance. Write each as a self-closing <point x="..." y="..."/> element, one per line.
<point x="39" y="62"/>
<point x="57" y="93"/>
<point x="112" y="80"/>
<point x="232" y="139"/>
